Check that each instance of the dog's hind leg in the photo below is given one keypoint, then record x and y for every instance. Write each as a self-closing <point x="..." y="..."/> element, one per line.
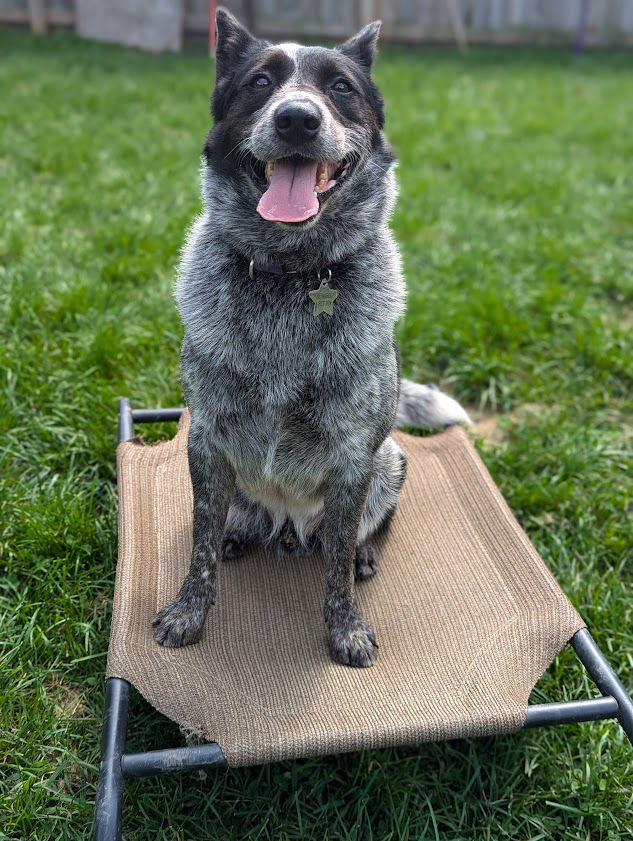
<point x="246" y="523"/>
<point x="388" y="474"/>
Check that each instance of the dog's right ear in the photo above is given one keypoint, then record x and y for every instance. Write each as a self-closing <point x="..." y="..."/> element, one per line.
<point x="232" y="43"/>
<point x="362" y="46"/>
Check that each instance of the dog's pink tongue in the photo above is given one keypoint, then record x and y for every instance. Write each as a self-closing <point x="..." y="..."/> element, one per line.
<point x="291" y="196"/>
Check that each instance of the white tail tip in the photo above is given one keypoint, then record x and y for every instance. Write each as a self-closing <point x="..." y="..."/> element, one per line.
<point x="426" y="406"/>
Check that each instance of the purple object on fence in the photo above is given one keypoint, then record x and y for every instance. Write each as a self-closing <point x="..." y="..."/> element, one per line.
<point x="583" y="21"/>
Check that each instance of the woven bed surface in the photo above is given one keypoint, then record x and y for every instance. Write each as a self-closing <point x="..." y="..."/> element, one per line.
<point x="466" y="614"/>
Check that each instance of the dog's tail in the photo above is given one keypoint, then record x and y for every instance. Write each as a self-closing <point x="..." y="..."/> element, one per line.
<point x="426" y="406"/>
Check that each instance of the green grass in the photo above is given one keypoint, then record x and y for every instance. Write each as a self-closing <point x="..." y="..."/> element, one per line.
<point x="516" y="224"/>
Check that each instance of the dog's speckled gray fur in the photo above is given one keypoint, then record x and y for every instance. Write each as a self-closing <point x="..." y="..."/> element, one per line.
<point x="291" y="413"/>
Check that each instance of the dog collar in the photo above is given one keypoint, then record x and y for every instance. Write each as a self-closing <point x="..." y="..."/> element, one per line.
<point x="323" y="298"/>
<point x="270" y="268"/>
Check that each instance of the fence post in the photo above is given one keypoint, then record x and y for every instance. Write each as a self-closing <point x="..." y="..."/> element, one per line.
<point x="458" y="26"/>
<point x="366" y="12"/>
<point x="37" y="16"/>
<point x="583" y="22"/>
<point x="249" y="15"/>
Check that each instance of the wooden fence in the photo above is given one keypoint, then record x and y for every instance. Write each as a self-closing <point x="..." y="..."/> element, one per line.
<point x="606" y="22"/>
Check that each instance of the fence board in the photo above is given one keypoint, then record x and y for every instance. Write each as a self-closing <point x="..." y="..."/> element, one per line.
<point x="412" y="21"/>
<point x="150" y="24"/>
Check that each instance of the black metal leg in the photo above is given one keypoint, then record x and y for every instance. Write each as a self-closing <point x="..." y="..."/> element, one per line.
<point x="109" y="806"/>
<point x="605" y="678"/>
<point x="170" y="760"/>
<point x="126" y="421"/>
<point x="571" y="712"/>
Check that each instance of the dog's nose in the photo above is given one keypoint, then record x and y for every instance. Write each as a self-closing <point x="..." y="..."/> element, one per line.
<point x="297" y="121"/>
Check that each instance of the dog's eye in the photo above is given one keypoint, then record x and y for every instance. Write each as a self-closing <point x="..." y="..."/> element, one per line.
<point x="260" y="81"/>
<point x="341" y="86"/>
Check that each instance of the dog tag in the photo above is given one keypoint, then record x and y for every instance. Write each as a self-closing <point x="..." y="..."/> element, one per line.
<point x="324" y="297"/>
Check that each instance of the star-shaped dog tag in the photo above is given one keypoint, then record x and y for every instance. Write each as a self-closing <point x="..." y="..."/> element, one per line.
<point x="323" y="298"/>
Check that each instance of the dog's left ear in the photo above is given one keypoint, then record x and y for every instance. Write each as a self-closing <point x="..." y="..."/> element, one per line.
<point x="233" y="42"/>
<point x="362" y="46"/>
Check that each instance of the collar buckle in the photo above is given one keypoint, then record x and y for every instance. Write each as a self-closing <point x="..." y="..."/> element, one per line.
<point x="269" y="269"/>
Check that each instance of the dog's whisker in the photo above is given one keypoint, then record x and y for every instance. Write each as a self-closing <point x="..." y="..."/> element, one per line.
<point x="376" y="166"/>
<point x="244" y="141"/>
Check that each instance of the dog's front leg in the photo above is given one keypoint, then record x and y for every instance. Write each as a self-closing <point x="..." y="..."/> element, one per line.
<point x="352" y="640"/>
<point x="180" y="622"/>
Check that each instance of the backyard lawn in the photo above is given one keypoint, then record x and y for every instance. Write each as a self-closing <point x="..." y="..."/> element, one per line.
<point x="516" y="223"/>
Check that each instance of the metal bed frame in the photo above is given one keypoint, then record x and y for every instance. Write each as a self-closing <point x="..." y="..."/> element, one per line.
<point x="117" y="766"/>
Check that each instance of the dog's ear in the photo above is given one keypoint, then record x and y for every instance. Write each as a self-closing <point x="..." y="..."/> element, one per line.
<point x="232" y="43"/>
<point x="362" y="46"/>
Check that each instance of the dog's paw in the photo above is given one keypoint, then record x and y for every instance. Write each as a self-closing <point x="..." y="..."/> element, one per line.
<point x="233" y="546"/>
<point x="364" y="562"/>
<point x="354" y="643"/>
<point x="179" y="623"/>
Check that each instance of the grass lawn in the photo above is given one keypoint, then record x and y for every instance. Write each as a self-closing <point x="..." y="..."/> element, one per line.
<point x="516" y="224"/>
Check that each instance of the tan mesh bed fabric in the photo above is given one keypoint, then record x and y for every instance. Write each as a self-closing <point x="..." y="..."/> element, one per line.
<point x="466" y="614"/>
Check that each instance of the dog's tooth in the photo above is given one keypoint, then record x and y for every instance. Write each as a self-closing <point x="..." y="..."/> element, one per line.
<point x="270" y="165"/>
<point x="319" y="178"/>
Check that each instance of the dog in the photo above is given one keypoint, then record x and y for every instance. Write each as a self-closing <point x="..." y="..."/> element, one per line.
<point x="289" y="288"/>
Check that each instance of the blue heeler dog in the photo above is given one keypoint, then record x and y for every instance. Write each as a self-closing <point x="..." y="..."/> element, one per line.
<point x="289" y="288"/>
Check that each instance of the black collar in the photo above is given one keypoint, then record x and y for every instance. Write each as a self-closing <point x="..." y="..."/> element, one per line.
<point x="276" y="269"/>
<point x="270" y="268"/>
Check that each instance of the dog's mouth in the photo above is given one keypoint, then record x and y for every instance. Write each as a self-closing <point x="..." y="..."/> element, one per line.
<point x="297" y="187"/>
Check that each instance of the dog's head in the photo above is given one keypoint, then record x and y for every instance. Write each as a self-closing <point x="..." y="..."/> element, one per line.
<point x="297" y="129"/>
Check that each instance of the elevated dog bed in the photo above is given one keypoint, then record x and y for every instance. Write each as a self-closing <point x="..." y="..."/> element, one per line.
<point x="466" y="614"/>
